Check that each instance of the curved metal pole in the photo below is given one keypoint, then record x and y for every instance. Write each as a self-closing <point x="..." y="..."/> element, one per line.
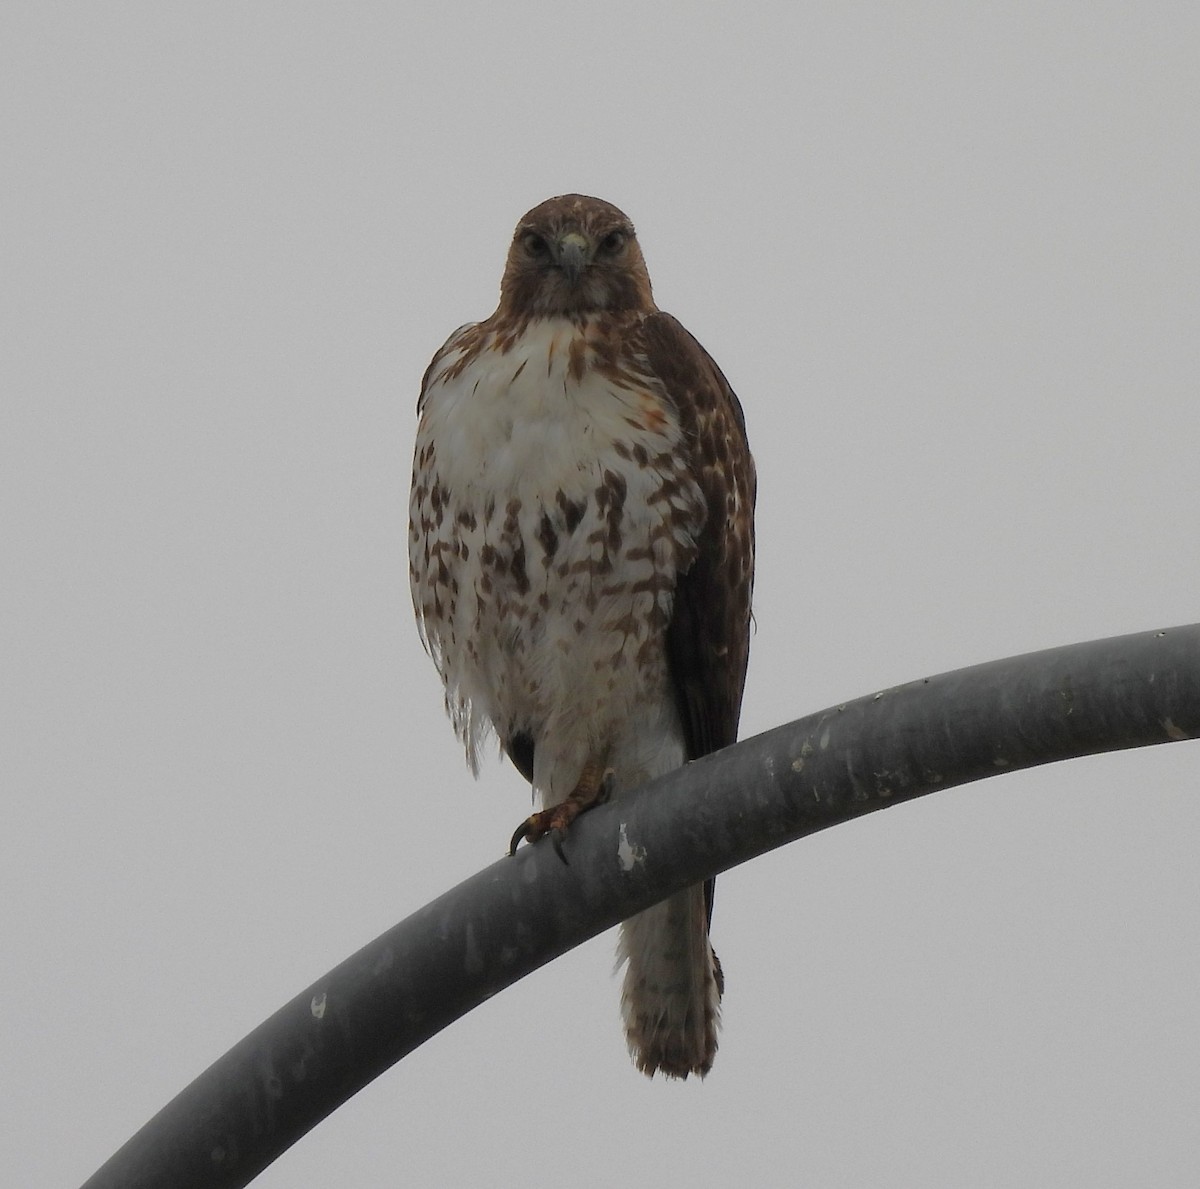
<point x="520" y="913"/>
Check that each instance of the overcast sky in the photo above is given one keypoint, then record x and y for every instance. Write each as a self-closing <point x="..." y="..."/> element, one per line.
<point x="947" y="254"/>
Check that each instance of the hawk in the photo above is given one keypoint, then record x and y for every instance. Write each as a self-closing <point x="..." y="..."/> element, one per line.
<point x="581" y="553"/>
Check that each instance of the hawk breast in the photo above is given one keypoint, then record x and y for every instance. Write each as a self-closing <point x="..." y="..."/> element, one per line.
<point x="552" y="512"/>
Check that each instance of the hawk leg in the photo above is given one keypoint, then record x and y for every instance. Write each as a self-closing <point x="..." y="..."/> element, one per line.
<point x="594" y="785"/>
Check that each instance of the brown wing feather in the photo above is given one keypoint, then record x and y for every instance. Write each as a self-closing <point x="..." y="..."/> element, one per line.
<point x="708" y="638"/>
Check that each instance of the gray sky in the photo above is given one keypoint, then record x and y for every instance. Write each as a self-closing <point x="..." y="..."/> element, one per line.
<point x="947" y="255"/>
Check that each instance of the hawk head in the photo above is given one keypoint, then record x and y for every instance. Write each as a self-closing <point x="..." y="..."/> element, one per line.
<point x="572" y="256"/>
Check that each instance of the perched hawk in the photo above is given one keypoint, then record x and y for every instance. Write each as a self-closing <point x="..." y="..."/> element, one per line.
<point x="581" y="551"/>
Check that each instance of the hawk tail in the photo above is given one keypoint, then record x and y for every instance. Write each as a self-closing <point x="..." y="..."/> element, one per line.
<point x="673" y="983"/>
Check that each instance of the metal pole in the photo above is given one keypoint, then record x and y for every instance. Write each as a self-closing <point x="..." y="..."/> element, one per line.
<point x="427" y="971"/>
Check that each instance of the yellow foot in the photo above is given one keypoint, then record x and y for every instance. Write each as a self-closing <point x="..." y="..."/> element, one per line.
<point x="593" y="788"/>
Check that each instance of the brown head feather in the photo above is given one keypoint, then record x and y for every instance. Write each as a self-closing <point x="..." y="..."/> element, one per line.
<point x="572" y="256"/>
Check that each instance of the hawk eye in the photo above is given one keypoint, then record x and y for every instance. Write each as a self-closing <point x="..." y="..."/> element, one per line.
<point x="612" y="243"/>
<point x="534" y="244"/>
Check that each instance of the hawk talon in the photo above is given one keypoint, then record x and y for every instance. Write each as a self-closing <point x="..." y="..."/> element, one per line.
<point x="531" y="829"/>
<point x="605" y="789"/>
<point x="536" y="826"/>
<point x="592" y="790"/>
<point x="522" y="831"/>
<point x="556" y="838"/>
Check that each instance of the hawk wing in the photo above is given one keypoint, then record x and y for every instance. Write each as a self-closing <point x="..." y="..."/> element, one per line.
<point x="708" y="638"/>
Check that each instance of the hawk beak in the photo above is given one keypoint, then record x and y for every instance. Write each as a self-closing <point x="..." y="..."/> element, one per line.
<point x="574" y="254"/>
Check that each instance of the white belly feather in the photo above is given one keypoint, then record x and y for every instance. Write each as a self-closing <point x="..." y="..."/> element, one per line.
<point x="549" y="523"/>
